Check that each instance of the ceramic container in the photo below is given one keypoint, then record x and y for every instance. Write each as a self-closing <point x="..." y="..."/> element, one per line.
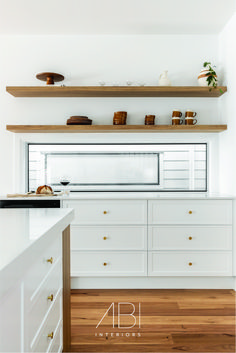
<point x="164" y="79"/>
<point x="150" y="120"/>
<point x="202" y="77"/>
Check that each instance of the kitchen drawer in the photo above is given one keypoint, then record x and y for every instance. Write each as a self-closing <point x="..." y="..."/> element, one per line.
<point x="190" y="238"/>
<point x="41" y="267"/>
<point x="43" y="342"/>
<point x="57" y="343"/>
<point x="109" y="238"/>
<point x="190" y="212"/>
<point x="208" y="263"/>
<point x="36" y="313"/>
<point x="115" y="263"/>
<point x="108" y="211"/>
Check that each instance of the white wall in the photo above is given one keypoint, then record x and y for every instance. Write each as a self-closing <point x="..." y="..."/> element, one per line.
<point x="227" y="147"/>
<point x="84" y="60"/>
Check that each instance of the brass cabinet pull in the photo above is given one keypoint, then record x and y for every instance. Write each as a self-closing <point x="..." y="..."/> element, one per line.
<point x="190" y="263"/>
<point x="104" y="212"/>
<point x="50" y="335"/>
<point x="104" y="238"/>
<point x="50" y="260"/>
<point x="50" y="297"/>
<point x="104" y="263"/>
<point x="190" y="212"/>
<point x="190" y="238"/>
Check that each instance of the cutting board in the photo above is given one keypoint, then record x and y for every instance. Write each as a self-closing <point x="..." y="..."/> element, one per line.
<point x="31" y="195"/>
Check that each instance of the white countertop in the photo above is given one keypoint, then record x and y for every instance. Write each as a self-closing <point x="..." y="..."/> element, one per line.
<point x="144" y="195"/>
<point x="128" y="196"/>
<point x="21" y="228"/>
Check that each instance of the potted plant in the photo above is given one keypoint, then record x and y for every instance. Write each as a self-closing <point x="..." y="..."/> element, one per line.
<point x="207" y="76"/>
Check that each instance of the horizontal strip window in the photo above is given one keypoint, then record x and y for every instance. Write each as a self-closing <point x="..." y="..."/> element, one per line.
<point x="118" y="167"/>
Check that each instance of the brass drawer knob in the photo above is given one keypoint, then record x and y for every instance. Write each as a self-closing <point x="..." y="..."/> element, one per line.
<point x="190" y="212"/>
<point x="104" y="263"/>
<point x="190" y="238"/>
<point x="104" y="212"/>
<point x="50" y="335"/>
<point x="190" y="263"/>
<point x="50" y="260"/>
<point x="50" y="297"/>
<point x="104" y="238"/>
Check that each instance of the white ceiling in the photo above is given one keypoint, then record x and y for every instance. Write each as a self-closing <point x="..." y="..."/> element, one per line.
<point x="73" y="17"/>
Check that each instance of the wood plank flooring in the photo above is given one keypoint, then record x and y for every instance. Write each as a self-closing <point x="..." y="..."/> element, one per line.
<point x="164" y="320"/>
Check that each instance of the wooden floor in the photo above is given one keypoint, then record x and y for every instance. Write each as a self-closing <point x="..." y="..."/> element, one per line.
<point x="171" y="321"/>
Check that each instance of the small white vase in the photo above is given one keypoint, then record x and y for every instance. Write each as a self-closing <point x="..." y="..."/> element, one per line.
<point x="164" y="79"/>
<point x="202" y="77"/>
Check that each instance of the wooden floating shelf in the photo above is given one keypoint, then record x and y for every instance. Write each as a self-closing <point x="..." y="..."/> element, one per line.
<point x="114" y="128"/>
<point x="115" y="91"/>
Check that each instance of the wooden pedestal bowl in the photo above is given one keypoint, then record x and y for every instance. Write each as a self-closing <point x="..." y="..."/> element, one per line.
<point x="50" y="77"/>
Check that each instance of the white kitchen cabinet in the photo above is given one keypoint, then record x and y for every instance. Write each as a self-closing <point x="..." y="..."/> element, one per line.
<point x="176" y="233"/>
<point x="56" y="345"/>
<point x="117" y="212"/>
<point x="49" y="329"/>
<point x="27" y="315"/>
<point x="11" y="329"/>
<point x="109" y="238"/>
<point x="190" y="263"/>
<point x="34" y="300"/>
<point x="42" y="265"/>
<point x="212" y="212"/>
<point x="190" y="237"/>
<point x="41" y="304"/>
<point x="186" y="235"/>
<point x="106" y="263"/>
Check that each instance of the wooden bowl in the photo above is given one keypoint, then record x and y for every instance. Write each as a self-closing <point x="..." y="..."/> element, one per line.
<point x="50" y="77"/>
<point x="80" y="117"/>
<point x="79" y="122"/>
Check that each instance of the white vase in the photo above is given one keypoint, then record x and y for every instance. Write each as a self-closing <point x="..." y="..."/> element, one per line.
<point x="164" y="79"/>
<point x="202" y="77"/>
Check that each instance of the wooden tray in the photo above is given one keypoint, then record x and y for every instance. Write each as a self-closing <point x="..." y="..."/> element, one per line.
<point x="32" y="195"/>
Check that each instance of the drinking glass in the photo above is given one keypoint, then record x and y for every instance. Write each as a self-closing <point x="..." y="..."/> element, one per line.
<point x="64" y="181"/>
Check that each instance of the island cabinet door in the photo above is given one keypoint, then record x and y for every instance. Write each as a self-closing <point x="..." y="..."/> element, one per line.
<point x="43" y="298"/>
<point x="10" y="330"/>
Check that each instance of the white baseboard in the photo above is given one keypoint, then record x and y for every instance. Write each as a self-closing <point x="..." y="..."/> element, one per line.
<point x="153" y="282"/>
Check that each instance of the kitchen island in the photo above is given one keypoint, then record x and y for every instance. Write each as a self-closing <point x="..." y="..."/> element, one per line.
<point x="35" y="280"/>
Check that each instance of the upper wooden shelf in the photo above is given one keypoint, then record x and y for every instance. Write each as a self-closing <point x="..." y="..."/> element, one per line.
<point x="115" y="91"/>
<point x="113" y="128"/>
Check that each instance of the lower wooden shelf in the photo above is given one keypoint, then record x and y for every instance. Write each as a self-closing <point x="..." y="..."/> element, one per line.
<point x="114" y="128"/>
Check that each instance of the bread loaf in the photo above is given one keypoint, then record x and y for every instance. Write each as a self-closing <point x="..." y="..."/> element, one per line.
<point x="44" y="189"/>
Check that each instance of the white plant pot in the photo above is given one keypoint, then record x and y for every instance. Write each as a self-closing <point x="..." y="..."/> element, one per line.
<point x="202" y="78"/>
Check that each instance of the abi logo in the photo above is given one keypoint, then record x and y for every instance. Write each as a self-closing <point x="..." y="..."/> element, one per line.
<point x="132" y="315"/>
